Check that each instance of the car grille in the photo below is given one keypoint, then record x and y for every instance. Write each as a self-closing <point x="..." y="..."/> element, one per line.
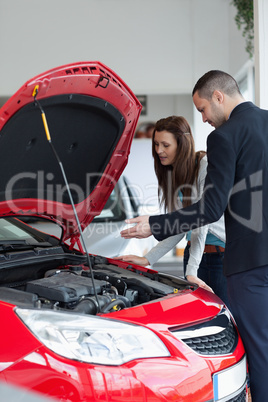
<point x="239" y="398"/>
<point x="214" y="337"/>
<point x="215" y="344"/>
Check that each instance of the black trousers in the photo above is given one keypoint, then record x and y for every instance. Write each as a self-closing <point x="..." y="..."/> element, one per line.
<point x="248" y="297"/>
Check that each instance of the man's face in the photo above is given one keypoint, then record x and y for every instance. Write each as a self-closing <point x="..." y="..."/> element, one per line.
<point x="211" y="110"/>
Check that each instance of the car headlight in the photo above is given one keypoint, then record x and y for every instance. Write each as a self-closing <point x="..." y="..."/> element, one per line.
<point x="92" y="339"/>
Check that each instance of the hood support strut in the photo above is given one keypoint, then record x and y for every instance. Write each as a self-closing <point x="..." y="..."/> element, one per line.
<point x="35" y="92"/>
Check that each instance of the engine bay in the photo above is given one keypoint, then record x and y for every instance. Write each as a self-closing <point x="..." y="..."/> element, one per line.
<point x="71" y="286"/>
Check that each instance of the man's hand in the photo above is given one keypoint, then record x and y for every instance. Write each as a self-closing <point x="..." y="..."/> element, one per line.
<point x="140" y="230"/>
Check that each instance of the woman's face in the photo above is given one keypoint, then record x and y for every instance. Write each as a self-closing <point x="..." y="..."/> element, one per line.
<point x="165" y="146"/>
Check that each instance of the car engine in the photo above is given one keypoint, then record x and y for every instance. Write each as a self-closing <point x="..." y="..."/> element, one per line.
<point x="71" y="287"/>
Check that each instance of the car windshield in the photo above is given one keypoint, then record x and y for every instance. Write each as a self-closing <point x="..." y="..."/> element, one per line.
<point x="15" y="232"/>
<point x="114" y="209"/>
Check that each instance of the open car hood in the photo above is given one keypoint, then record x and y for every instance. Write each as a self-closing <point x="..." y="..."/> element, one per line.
<point x="91" y="116"/>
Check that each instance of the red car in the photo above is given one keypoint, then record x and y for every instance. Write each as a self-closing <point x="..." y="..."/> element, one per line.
<point x="81" y="327"/>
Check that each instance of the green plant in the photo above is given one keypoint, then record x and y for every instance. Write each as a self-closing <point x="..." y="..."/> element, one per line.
<point x="245" y="18"/>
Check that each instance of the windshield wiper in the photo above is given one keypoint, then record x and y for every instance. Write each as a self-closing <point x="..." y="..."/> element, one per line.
<point x="13" y="245"/>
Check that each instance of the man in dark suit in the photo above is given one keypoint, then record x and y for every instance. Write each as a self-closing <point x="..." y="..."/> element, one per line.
<point x="236" y="185"/>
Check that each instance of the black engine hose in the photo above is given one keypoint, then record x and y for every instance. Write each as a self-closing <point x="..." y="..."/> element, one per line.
<point x="117" y="302"/>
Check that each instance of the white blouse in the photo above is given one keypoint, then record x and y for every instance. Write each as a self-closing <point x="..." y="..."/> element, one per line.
<point x="198" y="236"/>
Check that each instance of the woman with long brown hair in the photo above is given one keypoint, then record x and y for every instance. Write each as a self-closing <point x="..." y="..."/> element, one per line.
<point x="181" y="173"/>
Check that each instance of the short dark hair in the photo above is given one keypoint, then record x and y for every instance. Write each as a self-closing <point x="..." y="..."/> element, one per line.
<point x="216" y="80"/>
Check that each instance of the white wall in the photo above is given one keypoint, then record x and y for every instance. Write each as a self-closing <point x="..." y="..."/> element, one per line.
<point x="167" y="105"/>
<point x="156" y="46"/>
<point x="159" y="47"/>
<point x="261" y="54"/>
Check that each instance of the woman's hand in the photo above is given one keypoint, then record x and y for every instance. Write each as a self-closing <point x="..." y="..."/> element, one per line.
<point x="199" y="282"/>
<point x="134" y="259"/>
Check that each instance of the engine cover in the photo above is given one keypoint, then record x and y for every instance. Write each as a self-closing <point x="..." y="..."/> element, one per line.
<point x="65" y="287"/>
